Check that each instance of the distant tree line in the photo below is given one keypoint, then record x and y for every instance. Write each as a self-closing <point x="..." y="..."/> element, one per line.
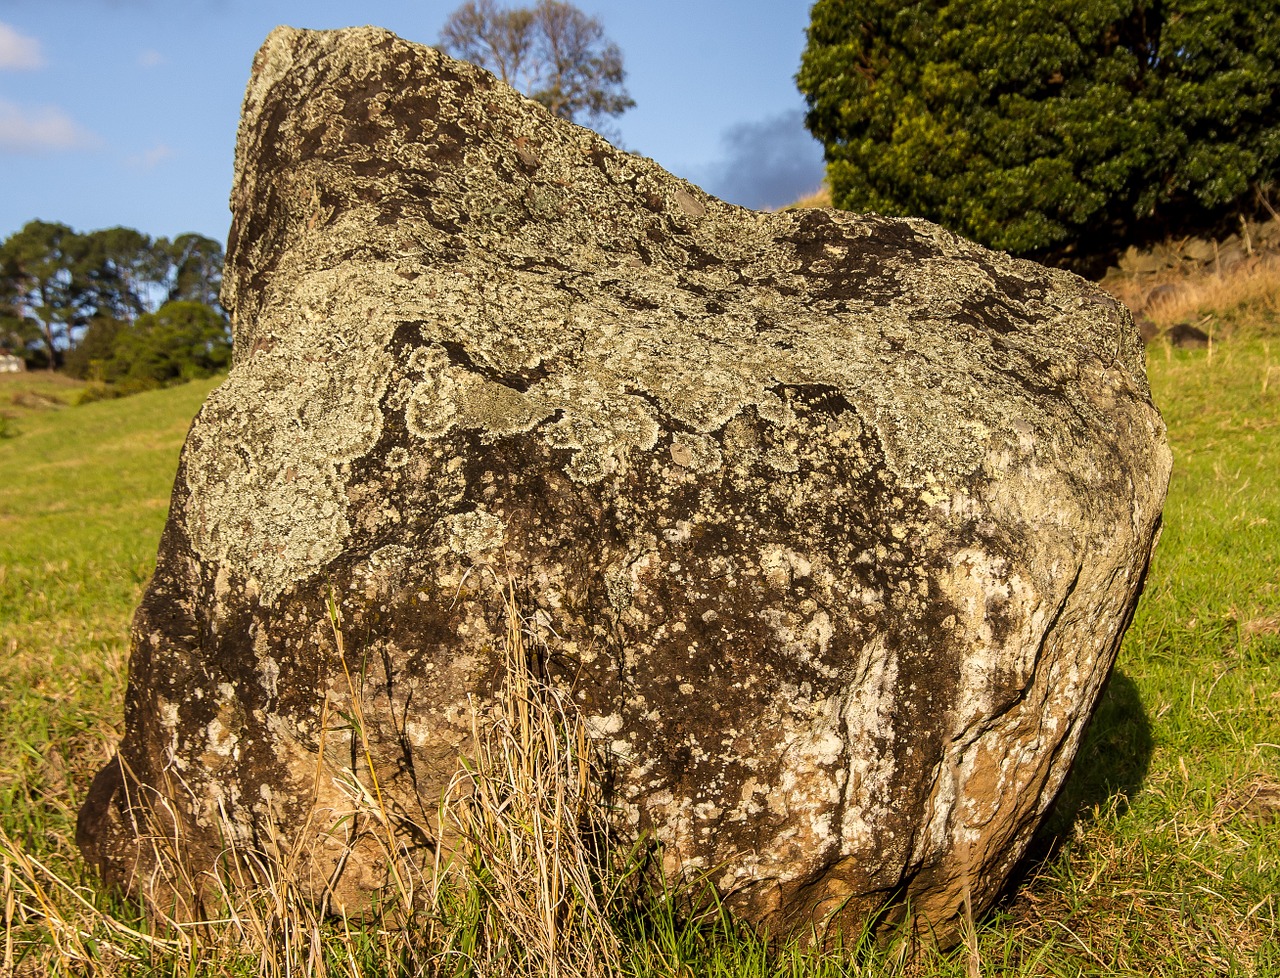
<point x="115" y="305"/>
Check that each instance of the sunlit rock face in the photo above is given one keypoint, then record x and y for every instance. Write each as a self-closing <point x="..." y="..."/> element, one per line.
<point x="835" y="521"/>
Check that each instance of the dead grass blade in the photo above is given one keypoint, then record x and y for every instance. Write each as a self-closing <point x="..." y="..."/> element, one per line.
<point x="522" y="888"/>
<point x="531" y="827"/>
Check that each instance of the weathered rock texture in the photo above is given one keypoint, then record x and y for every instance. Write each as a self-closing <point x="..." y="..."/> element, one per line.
<point x="838" y="519"/>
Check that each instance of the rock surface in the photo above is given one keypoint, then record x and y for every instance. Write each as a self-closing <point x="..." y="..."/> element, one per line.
<point x="838" y="519"/>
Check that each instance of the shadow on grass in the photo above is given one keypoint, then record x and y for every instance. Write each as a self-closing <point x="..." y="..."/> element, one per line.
<point x="1109" y="769"/>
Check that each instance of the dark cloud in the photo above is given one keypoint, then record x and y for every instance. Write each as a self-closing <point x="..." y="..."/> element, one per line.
<point x="766" y="164"/>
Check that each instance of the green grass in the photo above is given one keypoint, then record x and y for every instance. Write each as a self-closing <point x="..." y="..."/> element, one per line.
<point x="83" y="497"/>
<point x="1163" y="857"/>
<point x="1174" y="865"/>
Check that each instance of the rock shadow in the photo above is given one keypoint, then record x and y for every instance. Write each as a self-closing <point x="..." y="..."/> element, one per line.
<point x="1110" y="767"/>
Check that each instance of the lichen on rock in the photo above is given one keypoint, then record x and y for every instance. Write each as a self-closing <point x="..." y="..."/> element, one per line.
<point x="837" y="519"/>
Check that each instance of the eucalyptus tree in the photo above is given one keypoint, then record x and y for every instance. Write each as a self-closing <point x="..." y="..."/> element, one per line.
<point x="46" y="285"/>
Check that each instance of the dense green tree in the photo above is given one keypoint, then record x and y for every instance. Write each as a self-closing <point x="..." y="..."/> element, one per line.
<point x="18" y="331"/>
<point x="60" y="288"/>
<point x="553" y="52"/>
<point x="92" y="357"/>
<point x="179" y="341"/>
<point x="1058" y="128"/>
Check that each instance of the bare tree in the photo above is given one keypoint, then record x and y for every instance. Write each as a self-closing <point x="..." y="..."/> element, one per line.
<point x="495" y="39"/>
<point x="553" y="52"/>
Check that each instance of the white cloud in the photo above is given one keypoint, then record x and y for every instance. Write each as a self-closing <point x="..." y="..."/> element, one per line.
<point x="42" y="130"/>
<point x="17" y="51"/>
<point x="152" y="158"/>
<point x="151" y="59"/>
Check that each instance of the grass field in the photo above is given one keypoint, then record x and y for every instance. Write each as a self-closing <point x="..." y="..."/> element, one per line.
<point x="83" y="497"/>
<point x="1163" y="857"/>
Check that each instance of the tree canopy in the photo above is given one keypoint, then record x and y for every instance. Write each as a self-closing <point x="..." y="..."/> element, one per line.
<point x="45" y="285"/>
<point x="114" y="303"/>
<point x="552" y="52"/>
<point x="179" y="341"/>
<point x="1056" y="128"/>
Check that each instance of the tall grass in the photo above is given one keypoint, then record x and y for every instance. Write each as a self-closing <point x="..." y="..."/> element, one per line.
<point x="1240" y="303"/>
<point x="523" y="883"/>
<point x="533" y="830"/>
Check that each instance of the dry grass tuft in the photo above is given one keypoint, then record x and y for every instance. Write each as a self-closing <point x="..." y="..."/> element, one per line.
<point x="1254" y="799"/>
<point x="36" y="400"/>
<point x="819" y="198"/>
<point x="524" y="884"/>
<point x="530" y="819"/>
<point x="1264" y="625"/>
<point x="1239" y="302"/>
<point x="1251" y="290"/>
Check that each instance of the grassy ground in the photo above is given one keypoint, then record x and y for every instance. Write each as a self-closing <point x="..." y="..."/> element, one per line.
<point x="1162" y="859"/>
<point x="83" y="497"/>
<point x="1174" y="864"/>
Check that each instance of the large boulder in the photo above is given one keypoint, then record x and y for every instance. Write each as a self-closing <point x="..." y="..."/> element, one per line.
<point x="837" y="520"/>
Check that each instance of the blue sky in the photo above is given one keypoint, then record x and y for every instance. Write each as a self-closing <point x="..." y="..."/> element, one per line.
<point x="124" y="112"/>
